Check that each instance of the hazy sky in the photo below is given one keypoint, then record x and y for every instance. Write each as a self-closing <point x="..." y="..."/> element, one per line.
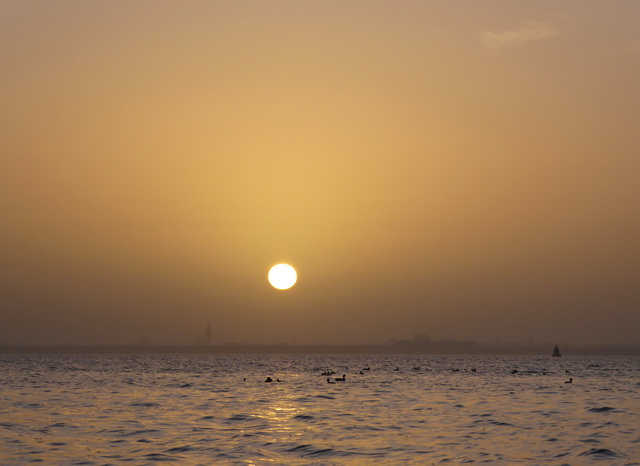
<point x="467" y="169"/>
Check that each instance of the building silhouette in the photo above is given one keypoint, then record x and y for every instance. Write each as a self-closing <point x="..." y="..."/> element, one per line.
<point x="207" y="334"/>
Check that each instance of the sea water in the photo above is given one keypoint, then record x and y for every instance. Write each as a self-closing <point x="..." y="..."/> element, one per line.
<point x="205" y="409"/>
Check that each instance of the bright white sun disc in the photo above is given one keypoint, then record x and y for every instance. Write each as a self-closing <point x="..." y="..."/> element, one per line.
<point x="282" y="276"/>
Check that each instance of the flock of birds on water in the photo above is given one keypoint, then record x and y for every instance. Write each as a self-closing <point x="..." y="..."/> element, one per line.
<point x="329" y="374"/>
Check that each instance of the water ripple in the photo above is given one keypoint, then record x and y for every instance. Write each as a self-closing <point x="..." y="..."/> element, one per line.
<point x="604" y="452"/>
<point x="604" y="409"/>
<point x="203" y="409"/>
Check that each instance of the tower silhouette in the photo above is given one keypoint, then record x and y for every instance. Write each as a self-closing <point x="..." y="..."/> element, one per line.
<point x="207" y="334"/>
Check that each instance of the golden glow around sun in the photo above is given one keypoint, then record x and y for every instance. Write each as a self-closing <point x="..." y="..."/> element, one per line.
<point x="282" y="276"/>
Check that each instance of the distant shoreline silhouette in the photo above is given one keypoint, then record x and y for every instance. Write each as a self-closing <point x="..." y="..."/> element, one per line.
<point x="400" y="348"/>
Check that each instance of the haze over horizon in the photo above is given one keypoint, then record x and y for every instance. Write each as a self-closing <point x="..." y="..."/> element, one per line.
<point x="467" y="170"/>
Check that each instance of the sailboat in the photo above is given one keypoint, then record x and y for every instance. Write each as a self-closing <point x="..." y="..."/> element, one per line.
<point x="556" y="352"/>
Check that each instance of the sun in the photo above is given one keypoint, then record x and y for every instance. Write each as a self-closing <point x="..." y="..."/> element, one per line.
<point x="282" y="276"/>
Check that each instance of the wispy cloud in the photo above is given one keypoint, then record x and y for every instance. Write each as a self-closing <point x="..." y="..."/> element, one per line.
<point x="530" y="32"/>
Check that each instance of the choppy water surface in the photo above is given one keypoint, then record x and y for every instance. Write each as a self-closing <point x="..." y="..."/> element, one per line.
<point x="97" y="409"/>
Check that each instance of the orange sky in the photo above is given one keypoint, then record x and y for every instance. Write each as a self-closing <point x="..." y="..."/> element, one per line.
<point x="463" y="169"/>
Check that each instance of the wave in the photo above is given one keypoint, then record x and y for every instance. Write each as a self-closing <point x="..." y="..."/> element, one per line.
<point x="604" y="409"/>
<point x="387" y="417"/>
<point x="604" y="452"/>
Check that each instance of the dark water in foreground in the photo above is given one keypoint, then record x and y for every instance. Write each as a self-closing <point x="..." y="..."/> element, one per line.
<point x="203" y="409"/>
